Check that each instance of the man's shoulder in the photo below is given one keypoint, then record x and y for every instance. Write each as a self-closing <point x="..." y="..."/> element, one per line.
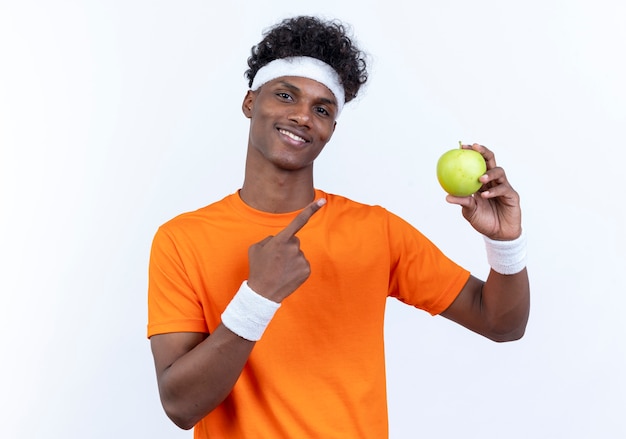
<point x="216" y="211"/>
<point x="343" y="203"/>
<point x="372" y="214"/>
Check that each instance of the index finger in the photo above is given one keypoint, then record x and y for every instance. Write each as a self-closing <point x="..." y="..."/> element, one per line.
<point x="303" y="217"/>
<point x="487" y="154"/>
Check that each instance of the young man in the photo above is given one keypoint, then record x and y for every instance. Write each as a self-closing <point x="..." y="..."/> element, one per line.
<point x="266" y="308"/>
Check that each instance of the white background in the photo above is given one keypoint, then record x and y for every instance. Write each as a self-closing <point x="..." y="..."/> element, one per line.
<point x="117" y="115"/>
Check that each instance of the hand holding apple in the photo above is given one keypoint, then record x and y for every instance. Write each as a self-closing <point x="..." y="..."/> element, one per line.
<point x="495" y="211"/>
<point x="458" y="171"/>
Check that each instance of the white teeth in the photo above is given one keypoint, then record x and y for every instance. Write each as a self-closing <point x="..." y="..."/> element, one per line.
<point x="292" y="135"/>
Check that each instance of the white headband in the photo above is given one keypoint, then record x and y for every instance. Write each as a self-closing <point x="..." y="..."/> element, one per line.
<point x="305" y="67"/>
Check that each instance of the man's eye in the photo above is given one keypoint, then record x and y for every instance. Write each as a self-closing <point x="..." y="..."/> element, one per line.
<point x="323" y="111"/>
<point x="284" y="95"/>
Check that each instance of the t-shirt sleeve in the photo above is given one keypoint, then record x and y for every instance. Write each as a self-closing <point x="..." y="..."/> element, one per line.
<point x="173" y="305"/>
<point x="421" y="274"/>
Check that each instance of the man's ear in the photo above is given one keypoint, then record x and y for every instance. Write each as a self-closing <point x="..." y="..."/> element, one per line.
<point x="248" y="103"/>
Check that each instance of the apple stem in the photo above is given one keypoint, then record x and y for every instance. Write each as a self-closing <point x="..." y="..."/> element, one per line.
<point x="460" y="144"/>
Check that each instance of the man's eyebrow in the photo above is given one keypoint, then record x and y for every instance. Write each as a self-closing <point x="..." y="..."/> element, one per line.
<point x="296" y="89"/>
<point x="289" y="85"/>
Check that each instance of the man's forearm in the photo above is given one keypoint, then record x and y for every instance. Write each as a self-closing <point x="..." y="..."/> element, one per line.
<point x="197" y="382"/>
<point x="506" y="305"/>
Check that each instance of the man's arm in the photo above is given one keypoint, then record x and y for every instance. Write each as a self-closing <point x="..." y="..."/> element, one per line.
<point x="196" y="372"/>
<point x="499" y="307"/>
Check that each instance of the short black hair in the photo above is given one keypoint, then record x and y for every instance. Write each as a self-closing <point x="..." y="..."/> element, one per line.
<point x="328" y="41"/>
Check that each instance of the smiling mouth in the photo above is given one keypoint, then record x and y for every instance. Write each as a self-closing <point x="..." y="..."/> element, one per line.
<point x="292" y="136"/>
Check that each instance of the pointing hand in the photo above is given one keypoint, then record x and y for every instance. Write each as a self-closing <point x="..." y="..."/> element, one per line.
<point x="277" y="265"/>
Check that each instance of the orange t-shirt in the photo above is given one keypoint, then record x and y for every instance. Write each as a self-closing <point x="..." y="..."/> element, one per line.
<point x="319" y="370"/>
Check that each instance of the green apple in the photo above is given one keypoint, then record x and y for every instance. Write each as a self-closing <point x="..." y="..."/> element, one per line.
<point x="458" y="171"/>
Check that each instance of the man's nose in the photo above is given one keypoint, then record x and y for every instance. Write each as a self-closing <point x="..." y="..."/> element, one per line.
<point x="300" y="113"/>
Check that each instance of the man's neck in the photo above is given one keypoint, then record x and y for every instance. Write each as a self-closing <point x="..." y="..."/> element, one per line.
<point x="278" y="193"/>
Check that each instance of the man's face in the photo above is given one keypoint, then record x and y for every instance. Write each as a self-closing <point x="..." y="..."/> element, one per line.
<point x="291" y="120"/>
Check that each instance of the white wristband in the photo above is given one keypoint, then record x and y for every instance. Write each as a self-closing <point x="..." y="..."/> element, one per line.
<point x="507" y="257"/>
<point x="249" y="313"/>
